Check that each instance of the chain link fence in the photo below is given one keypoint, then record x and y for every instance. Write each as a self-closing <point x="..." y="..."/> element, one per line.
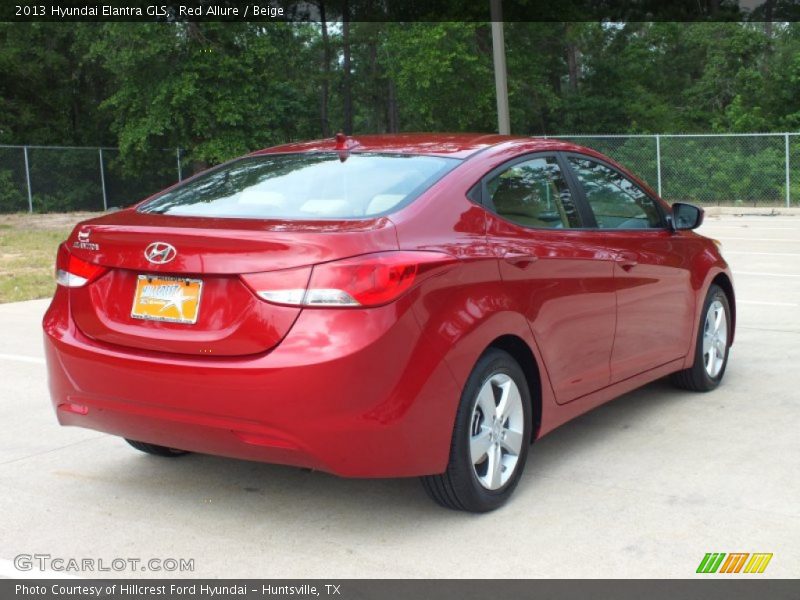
<point x="756" y="169"/>
<point x="710" y="170"/>
<point x="63" y="179"/>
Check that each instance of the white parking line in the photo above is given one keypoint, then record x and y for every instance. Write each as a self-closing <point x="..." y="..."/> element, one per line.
<point x="762" y="253"/>
<point x="765" y="303"/>
<point x="9" y="571"/>
<point x="786" y="223"/>
<point x="740" y="227"/>
<point x="747" y="239"/>
<point x="21" y="358"/>
<point x="765" y="274"/>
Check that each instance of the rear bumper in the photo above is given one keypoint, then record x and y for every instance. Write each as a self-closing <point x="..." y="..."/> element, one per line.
<point x="358" y="393"/>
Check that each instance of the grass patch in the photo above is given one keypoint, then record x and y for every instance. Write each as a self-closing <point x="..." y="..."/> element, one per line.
<point x="27" y="260"/>
<point x="28" y="245"/>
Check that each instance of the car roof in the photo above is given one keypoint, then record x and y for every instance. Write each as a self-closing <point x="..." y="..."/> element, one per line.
<point x="454" y="145"/>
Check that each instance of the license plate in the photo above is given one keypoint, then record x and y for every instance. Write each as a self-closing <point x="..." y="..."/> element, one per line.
<point x="171" y="299"/>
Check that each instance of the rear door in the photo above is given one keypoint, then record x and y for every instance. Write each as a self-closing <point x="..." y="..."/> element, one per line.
<point x="652" y="268"/>
<point x="557" y="274"/>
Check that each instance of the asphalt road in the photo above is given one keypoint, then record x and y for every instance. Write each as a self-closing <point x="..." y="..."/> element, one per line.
<point x="642" y="487"/>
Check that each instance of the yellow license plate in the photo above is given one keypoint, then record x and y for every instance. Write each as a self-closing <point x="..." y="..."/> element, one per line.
<point x="172" y="299"/>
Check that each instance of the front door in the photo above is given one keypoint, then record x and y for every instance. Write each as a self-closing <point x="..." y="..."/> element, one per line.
<point x="652" y="274"/>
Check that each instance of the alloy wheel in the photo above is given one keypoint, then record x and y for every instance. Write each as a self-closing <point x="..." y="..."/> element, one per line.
<point x="715" y="338"/>
<point x="496" y="431"/>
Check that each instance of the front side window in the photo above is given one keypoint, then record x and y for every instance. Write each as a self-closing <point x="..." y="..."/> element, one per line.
<point x="304" y="186"/>
<point x="534" y="193"/>
<point x="617" y="202"/>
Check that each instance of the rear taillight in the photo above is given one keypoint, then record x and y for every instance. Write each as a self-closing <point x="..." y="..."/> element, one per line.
<point x="72" y="271"/>
<point x="287" y="286"/>
<point x="369" y="280"/>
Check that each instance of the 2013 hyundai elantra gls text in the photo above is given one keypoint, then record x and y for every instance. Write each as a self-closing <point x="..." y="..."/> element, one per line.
<point x="384" y="306"/>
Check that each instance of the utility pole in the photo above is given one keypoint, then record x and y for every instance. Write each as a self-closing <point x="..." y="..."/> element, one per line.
<point x="500" y="79"/>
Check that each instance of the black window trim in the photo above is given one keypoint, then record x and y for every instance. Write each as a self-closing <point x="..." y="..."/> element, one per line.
<point x="484" y="200"/>
<point x="580" y="195"/>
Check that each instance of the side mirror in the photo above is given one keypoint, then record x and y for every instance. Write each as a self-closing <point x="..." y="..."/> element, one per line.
<point x="686" y="216"/>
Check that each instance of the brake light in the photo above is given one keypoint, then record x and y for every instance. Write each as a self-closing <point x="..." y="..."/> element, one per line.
<point x="72" y="271"/>
<point x="365" y="280"/>
<point x="369" y="280"/>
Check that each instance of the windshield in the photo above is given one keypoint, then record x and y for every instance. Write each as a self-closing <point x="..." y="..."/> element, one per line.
<point x="304" y="186"/>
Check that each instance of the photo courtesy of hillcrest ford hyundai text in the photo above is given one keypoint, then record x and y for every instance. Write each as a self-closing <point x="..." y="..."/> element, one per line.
<point x="385" y="306"/>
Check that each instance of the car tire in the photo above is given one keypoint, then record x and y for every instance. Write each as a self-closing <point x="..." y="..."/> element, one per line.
<point x="491" y="438"/>
<point x="156" y="450"/>
<point x="712" y="345"/>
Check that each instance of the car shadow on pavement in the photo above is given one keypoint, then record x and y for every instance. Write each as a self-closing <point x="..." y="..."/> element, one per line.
<point x="222" y="484"/>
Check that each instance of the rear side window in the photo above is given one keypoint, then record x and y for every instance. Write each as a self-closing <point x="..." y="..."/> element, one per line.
<point x="533" y="194"/>
<point x="617" y="202"/>
<point x="304" y="186"/>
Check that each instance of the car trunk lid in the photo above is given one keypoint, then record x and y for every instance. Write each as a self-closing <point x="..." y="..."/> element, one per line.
<point x="195" y="302"/>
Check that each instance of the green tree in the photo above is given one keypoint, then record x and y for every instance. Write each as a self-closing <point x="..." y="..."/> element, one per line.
<point x="217" y="90"/>
<point x="50" y="88"/>
<point x="443" y="75"/>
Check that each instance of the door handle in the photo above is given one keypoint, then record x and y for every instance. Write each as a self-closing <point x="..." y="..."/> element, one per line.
<point x="520" y="259"/>
<point x="626" y="261"/>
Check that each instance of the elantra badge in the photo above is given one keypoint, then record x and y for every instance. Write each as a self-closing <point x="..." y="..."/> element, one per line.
<point x="83" y="242"/>
<point x="160" y="253"/>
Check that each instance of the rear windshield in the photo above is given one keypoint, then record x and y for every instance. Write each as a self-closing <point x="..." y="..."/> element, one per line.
<point x="304" y="186"/>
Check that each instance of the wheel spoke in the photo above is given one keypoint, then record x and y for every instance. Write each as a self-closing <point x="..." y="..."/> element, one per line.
<point x="486" y="401"/>
<point x="511" y="402"/>
<point x="719" y="316"/>
<point x="494" y="469"/>
<point x="479" y="445"/>
<point x="502" y="405"/>
<point x="707" y="342"/>
<point x="512" y="441"/>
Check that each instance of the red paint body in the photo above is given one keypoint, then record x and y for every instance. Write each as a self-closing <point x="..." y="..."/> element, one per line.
<point x="370" y="392"/>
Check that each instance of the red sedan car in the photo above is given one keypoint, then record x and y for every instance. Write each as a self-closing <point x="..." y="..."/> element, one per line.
<point x="384" y="306"/>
